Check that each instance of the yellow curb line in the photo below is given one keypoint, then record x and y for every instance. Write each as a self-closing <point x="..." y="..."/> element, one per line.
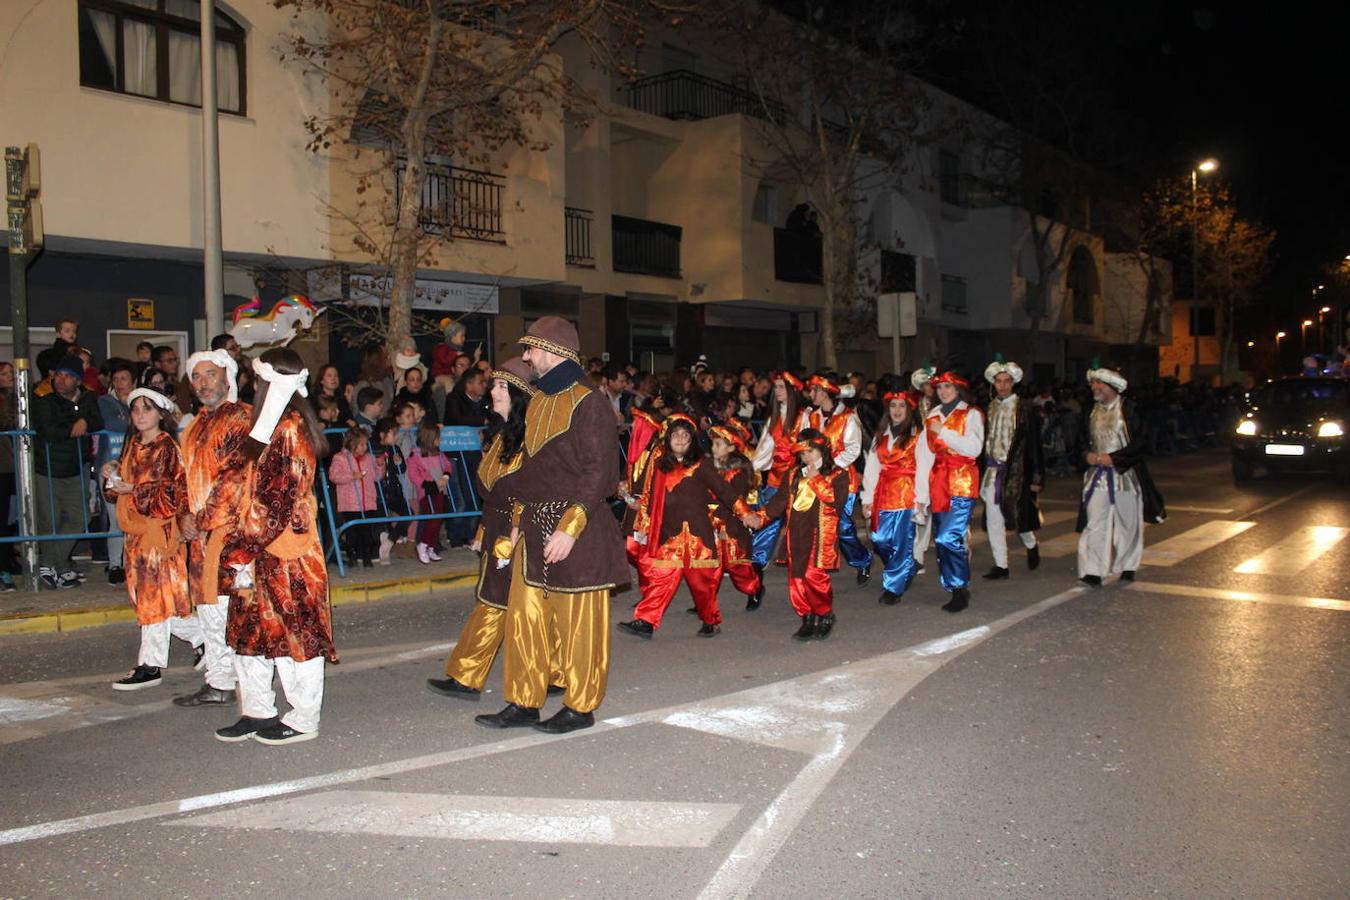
<point x="340" y="595"/>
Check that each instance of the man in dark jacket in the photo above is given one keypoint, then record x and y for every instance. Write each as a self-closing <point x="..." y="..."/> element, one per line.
<point x="467" y="404"/>
<point x="1014" y="469"/>
<point x="63" y="421"/>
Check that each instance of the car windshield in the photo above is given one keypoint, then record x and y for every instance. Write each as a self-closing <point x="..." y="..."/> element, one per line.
<point x="1322" y="395"/>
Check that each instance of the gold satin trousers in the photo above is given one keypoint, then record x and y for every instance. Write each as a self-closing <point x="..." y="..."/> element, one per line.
<point x="479" y="640"/>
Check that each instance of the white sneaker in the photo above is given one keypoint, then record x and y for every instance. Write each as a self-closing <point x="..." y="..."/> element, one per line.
<point x="386" y="547"/>
<point x="432" y="554"/>
<point x="423" y="553"/>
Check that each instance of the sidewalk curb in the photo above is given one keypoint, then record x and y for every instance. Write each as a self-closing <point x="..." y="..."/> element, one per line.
<point x="338" y="595"/>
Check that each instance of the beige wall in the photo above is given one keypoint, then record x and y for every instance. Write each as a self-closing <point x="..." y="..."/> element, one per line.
<point x="127" y="170"/>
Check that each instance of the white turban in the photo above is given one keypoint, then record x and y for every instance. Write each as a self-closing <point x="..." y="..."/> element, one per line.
<point x="218" y="358"/>
<point x="155" y="397"/>
<point x="921" y="376"/>
<point x="280" y="389"/>
<point x="998" y="367"/>
<point x="1108" y="376"/>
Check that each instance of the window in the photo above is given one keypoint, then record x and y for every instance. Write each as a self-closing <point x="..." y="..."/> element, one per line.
<point x="953" y="293"/>
<point x="951" y="184"/>
<point x="1203" y="322"/>
<point x="153" y="48"/>
<point x="766" y="203"/>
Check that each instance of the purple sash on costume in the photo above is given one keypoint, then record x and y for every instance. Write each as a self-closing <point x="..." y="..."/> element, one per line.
<point x="999" y="476"/>
<point x="1110" y="472"/>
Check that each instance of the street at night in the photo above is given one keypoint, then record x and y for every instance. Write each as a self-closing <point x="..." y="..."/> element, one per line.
<point x="1184" y="735"/>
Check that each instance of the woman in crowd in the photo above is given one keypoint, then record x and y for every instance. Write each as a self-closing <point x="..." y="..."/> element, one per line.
<point x="888" y="493"/>
<point x="376" y="373"/>
<point x="328" y="384"/>
<point x="149" y="486"/>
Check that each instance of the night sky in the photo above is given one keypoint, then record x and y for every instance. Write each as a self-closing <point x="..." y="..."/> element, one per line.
<point x="1263" y="89"/>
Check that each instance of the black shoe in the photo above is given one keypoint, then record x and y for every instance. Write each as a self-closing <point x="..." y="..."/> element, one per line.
<point x="752" y="601"/>
<point x="996" y="573"/>
<point x="556" y="689"/>
<point x="693" y="610"/>
<point x="1034" y="557"/>
<point x="808" y="629"/>
<point x="1092" y="580"/>
<point x="865" y="574"/>
<point x="888" y="599"/>
<point x="367" y="564"/>
<point x="511" y="716"/>
<point x="565" y="720"/>
<point x="137" y="678"/>
<point x="244" y="729"/>
<point x="709" y="629"/>
<point x="1127" y="575"/>
<point x="116" y="575"/>
<point x="449" y="687"/>
<point x="638" y="627"/>
<point x="279" y="734"/>
<point x="919" y="569"/>
<point x="960" y="600"/>
<point x="206" y="696"/>
<point x="824" y="625"/>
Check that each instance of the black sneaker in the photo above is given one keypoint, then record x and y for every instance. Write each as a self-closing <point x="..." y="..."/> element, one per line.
<point x="1127" y="575"/>
<point x="72" y="578"/>
<point x="116" y="575"/>
<point x="960" y="600"/>
<point x="279" y="734"/>
<point x="709" y="629"/>
<point x="1092" y="580"/>
<point x="137" y="678"/>
<point x="244" y="729"/>
<point x="637" y="627"/>
<point x="865" y="574"/>
<point x="52" y="581"/>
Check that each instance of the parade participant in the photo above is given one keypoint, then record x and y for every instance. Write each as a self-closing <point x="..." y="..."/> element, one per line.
<point x="775" y="459"/>
<point x="951" y="443"/>
<point x="840" y="424"/>
<point x="280" y="621"/>
<point x="570" y="554"/>
<point x="1014" y="471"/>
<point x="730" y="448"/>
<point x="466" y="670"/>
<point x="813" y="500"/>
<point x="675" y="531"/>
<point x="921" y="379"/>
<point x="644" y="446"/>
<point x="1118" y="493"/>
<point x="888" y="493"/>
<point x="150" y="489"/>
<point x="213" y="457"/>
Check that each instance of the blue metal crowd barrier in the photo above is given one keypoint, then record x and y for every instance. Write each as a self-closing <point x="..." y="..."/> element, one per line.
<point x="108" y="446"/>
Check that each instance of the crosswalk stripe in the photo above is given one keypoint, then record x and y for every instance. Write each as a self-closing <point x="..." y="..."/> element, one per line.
<point x="1296" y="552"/>
<point x="979" y="536"/>
<point x="1197" y="540"/>
<point x="1187" y="590"/>
<point x="1062" y="545"/>
<point x="546" y="820"/>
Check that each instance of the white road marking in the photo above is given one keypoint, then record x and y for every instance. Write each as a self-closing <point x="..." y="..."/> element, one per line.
<point x="1197" y="540"/>
<point x="1296" y="552"/>
<point x="1060" y="545"/>
<point x="1186" y="590"/>
<point x="1208" y="510"/>
<point x="549" y="820"/>
<point x="766" y="836"/>
<point x="1278" y="501"/>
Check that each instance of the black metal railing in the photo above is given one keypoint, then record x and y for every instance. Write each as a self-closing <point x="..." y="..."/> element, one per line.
<point x="682" y="94"/>
<point x="459" y="202"/>
<point x="646" y="248"/>
<point x="797" y="257"/>
<point x="577" y="229"/>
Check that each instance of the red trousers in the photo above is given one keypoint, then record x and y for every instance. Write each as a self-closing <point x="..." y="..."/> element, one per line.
<point x="812" y="595"/>
<point x="661" y="583"/>
<point x="634" y="551"/>
<point x="743" y="576"/>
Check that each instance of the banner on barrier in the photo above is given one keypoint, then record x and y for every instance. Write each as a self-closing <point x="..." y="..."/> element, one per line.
<point x="459" y="438"/>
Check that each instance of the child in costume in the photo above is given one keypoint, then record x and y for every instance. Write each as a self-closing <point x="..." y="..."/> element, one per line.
<point x="888" y="493"/>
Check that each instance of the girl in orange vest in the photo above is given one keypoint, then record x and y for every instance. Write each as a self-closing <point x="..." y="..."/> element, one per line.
<point x="888" y="493"/>
<point x="149" y="486"/>
<point x="949" y="481"/>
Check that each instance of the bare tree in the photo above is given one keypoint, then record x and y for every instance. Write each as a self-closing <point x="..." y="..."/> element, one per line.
<point x="414" y="79"/>
<point x="835" y="112"/>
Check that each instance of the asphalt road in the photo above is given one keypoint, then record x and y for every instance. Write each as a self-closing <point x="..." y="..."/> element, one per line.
<point x="1184" y="736"/>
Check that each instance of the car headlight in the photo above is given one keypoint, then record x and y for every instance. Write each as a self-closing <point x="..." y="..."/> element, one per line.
<point x="1330" y="429"/>
<point x="1246" y="426"/>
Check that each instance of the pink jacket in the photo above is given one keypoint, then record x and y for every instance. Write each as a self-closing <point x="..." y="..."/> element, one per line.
<point x="426" y="468"/>
<point x="355" y="493"/>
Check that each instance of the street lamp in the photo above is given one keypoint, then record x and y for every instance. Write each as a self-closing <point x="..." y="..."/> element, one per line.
<point x="1279" y="336"/>
<point x="1206" y="166"/>
<point x="1303" y="335"/>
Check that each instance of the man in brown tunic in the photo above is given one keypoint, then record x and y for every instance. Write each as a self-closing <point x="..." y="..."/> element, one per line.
<point x="569" y="554"/>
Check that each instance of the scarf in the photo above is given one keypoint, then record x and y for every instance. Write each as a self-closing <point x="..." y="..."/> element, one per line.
<point x="560" y="377"/>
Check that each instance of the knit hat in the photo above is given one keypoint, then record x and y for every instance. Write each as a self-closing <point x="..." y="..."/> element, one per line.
<point x="516" y="372"/>
<point x="70" y="364"/>
<point x="556" y="335"/>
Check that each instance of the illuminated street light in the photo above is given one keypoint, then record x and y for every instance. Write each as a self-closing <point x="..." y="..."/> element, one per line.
<point x="1251" y="343"/>
<point x="1208" y="165"/>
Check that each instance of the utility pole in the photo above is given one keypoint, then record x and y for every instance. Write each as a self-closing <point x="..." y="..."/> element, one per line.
<point x="23" y="183"/>
<point x="212" y="268"/>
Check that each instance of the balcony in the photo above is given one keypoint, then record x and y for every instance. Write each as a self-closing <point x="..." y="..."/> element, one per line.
<point x="797" y="257"/>
<point x="646" y="248"/>
<point x="577" y="229"/>
<point x="458" y="202"/>
<point x="688" y="96"/>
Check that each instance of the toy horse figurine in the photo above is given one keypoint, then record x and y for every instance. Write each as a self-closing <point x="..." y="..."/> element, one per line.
<point x="289" y="316"/>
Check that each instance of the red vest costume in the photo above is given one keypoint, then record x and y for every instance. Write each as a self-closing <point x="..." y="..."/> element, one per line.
<point x="953" y="475"/>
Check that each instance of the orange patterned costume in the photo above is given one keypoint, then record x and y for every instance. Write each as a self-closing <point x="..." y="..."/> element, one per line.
<point x="287" y="613"/>
<point x="213" y="455"/>
<point x="156" y="564"/>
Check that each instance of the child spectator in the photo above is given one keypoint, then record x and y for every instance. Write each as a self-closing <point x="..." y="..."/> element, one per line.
<point x="395" y="489"/>
<point x="430" y="472"/>
<point x="355" y="471"/>
<point x="369" y="406"/>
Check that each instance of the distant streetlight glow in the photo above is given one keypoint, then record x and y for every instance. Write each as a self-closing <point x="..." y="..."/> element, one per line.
<point x="1280" y="334"/>
<point x="1208" y="165"/>
<point x="1251" y="343"/>
<point x="1324" y="310"/>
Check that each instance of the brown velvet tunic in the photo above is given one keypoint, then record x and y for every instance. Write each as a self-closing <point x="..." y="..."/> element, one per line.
<point x="727" y="517"/>
<point x="675" y="516"/>
<point x="815" y="525"/>
<point x="571" y="466"/>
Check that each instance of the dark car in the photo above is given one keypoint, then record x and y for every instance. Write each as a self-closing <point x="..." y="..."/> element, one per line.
<point x="1295" y="424"/>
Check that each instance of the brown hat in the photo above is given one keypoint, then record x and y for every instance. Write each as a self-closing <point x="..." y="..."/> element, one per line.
<point x="556" y="335"/>
<point x="515" y="372"/>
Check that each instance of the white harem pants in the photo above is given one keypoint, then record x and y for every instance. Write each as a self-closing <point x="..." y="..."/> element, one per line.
<point x="155" y="639"/>
<point x="998" y="528"/>
<point x="302" y="682"/>
<point x="1113" y="541"/>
